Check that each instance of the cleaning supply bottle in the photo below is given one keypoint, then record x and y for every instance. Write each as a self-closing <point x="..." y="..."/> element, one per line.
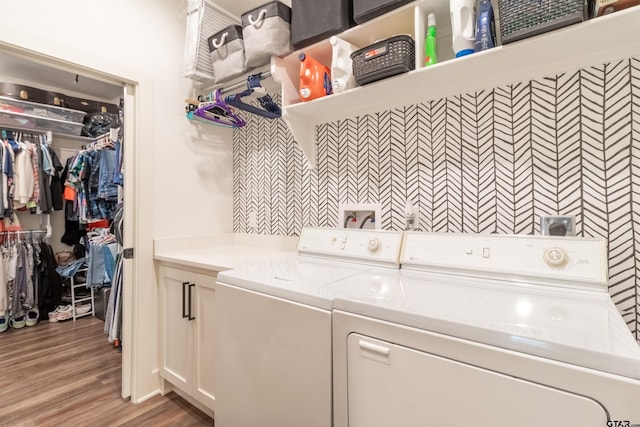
<point x="462" y="25"/>
<point x="315" y="78"/>
<point x="341" y="65"/>
<point x="430" y="42"/>
<point x="485" y="27"/>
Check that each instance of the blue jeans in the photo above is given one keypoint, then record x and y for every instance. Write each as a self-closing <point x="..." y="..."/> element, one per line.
<point x="96" y="271"/>
<point x="107" y="189"/>
<point x="70" y="269"/>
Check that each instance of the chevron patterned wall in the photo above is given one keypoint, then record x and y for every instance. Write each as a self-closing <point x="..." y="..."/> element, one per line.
<point x="488" y="161"/>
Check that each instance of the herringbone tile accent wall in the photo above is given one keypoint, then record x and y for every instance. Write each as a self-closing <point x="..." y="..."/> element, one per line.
<point x="488" y="161"/>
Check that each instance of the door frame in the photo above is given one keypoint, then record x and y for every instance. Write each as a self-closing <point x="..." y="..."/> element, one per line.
<point x="140" y="378"/>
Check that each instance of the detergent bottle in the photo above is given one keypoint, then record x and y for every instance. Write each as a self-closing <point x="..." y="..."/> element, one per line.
<point x="462" y="26"/>
<point x="485" y="27"/>
<point x="341" y="65"/>
<point x="315" y="78"/>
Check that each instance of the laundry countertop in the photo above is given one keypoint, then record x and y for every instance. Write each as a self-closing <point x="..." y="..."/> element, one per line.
<point x="225" y="251"/>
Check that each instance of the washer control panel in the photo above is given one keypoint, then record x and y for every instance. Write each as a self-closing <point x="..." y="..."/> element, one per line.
<point x="364" y="245"/>
<point x="575" y="260"/>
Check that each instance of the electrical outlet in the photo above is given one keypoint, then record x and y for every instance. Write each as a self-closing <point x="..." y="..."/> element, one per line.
<point x="359" y="216"/>
<point x="410" y="216"/>
<point x="562" y="225"/>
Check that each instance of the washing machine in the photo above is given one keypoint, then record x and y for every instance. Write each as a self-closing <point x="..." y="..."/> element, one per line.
<point x="485" y="330"/>
<point x="272" y="328"/>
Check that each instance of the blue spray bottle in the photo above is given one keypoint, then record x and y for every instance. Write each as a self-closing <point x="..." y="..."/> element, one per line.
<point x="485" y="27"/>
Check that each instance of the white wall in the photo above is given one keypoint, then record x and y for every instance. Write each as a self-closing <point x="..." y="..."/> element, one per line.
<point x="186" y="183"/>
<point x="192" y="179"/>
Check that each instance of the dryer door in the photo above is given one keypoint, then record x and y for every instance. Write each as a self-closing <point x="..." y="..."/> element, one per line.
<point x="391" y="385"/>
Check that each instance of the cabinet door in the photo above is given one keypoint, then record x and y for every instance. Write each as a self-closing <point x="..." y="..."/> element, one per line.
<point x="176" y="329"/>
<point x="204" y="342"/>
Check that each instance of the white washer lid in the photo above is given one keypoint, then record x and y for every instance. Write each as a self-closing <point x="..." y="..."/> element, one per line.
<point x="301" y="279"/>
<point x="576" y="326"/>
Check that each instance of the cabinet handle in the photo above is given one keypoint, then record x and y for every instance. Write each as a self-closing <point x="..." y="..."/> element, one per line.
<point x="191" y="286"/>
<point x="184" y="299"/>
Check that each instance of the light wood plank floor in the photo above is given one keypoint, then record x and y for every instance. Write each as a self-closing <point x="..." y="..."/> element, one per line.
<point x="68" y="374"/>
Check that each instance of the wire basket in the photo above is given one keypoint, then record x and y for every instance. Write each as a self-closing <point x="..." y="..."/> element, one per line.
<point x="520" y="19"/>
<point x="383" y="59"/>
<point x="204" y="19"/>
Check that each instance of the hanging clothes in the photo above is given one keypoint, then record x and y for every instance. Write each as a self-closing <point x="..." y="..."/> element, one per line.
<point x="101" y="255"/>
<point x="113" y="314"/>
<point x="22" y="272"/>
<point x="89" y="177"/>
<point x="30" y="175"/>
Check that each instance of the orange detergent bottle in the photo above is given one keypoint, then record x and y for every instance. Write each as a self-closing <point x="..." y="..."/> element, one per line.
<point x="315" y="78"/>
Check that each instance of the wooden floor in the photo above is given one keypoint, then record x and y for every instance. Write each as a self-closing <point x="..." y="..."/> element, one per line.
<point x="68" y="374"/>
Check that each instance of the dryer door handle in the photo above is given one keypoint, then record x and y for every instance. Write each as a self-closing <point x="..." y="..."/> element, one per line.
<point x="374" y="351"/>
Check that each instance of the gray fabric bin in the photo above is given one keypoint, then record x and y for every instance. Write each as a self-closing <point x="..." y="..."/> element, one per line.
<point x="267" y="32"/>
<point x="227" y="53"/>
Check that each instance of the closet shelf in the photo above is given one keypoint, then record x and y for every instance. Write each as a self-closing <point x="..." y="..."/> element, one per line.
<point x="593" y="42"/>
<point x="32" y="116"/>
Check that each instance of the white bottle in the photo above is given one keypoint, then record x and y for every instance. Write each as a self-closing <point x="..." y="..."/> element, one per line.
<point x="463" y="17"/>
<point x="341" y="68"/>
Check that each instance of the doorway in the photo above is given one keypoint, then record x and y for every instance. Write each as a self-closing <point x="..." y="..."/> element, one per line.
<point x="37" y="69"/>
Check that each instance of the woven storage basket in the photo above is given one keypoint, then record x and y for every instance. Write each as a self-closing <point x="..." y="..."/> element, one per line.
<point x="383" y="59"/>
<point x="520" y="19"/>
<point x="204" y="19"/>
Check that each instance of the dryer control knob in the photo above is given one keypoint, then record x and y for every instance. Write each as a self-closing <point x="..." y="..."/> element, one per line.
<point x="373" y="245"/>
<point x="555" y="257"/>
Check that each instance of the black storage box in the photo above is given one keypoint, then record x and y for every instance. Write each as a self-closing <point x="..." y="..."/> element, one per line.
<point x="520" y="19"/>
<point x="365" y="10"/>
<point x="313" y="20"/>
<point x="90" y="106"/>
<point x="383" y="59"/>
<point x="32" y="94"/>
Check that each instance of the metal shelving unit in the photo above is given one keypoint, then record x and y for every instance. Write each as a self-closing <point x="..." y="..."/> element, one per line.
<point x="75" y="301"/>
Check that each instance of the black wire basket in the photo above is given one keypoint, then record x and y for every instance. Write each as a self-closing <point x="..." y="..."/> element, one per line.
<point x="520" y="19"/>
<point x="383" y="59"/>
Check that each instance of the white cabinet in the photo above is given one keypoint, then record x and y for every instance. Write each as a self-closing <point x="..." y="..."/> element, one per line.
<point x="186" y="313"/>
<point x="594" y="42"/>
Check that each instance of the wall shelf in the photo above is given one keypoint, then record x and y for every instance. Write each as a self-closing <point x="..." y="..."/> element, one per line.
<point x="593" y="42"/>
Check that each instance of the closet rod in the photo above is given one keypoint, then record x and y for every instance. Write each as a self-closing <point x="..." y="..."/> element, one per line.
<point x="31" y="131"/>
<point x="243" y="83"/>
<point x="9" y="232"/>
<point x="240" y="84"/>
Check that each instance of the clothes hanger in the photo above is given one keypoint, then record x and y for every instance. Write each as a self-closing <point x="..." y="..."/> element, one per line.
<point x="214" y="111"/>
<point x="270" y="109"/>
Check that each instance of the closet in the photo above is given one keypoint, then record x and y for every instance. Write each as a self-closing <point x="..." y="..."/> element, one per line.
<point x="63" y="193"/>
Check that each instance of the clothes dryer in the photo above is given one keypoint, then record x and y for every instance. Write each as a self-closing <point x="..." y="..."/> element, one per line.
<point x="272" y="363"/>
<point x="485" y="331"/>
